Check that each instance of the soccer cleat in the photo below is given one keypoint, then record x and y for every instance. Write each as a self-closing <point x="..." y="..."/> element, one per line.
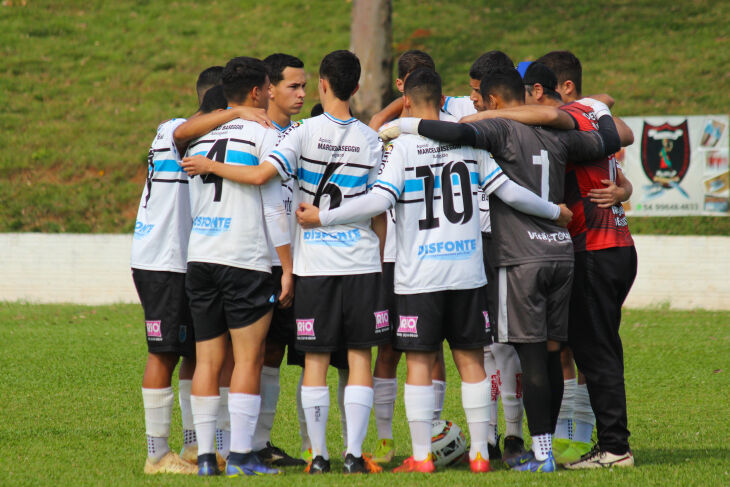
<point x="384" y="451"/>
<point x="307" y="455"/>
<point x="207" y="465"/>
<point x="169" y="463"/>
<point x="559" y="446"/>
<point x="410" y="465"/>
<point x="528" y="463"/>
<point x="189" y="453"/>
<point x="273" y="455"/>
<point x="479" y="464"/>
<point x="494" y="452"/>
<point x="221" y="461"/>
<point x="240" y="464"/>
<point x="514" y="448"/>
<point x="597" y="458"/>
<point x="575" y="450"/>
<point x="361" y="464"/>
<point x="318" y="465"/>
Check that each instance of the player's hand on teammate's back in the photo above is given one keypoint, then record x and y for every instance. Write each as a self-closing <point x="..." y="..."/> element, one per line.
<point x="389" y="131"/>
<point x="252" y="114"/>
<point x="286" y="298"/>
<point x="608" y="196"/>
<point x="195" y="165"/>
<point x="565" y="216"/>
<point x="308" y="215"/>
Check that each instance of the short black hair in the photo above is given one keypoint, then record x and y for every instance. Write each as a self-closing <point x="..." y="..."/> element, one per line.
<point x="424" y="85"/>
<point x="538" y="72"/>
<point x="214" y="99"/>
<point x="488" y="61"/>
<point x="241" y="75"/>
<point x="277" y="63"/>
<point x="342" y="70"/>
<point x="410" y="60"/>
<point x="566" y="67"/>
<point x="317" y="110"/>
<point x="505" y="82"/>
<point x="208" y="78"/>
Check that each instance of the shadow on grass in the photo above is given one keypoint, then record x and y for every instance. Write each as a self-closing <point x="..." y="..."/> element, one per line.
<point x="667" y="456"/>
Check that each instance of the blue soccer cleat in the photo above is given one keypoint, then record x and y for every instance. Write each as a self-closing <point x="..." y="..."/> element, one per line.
<point x="240" y="464"/>
<point x="528" y="463"/>
<point x="207" y="465"/>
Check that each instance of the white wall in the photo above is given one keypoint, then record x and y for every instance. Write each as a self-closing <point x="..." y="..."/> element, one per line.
<point x="684" y="272"/>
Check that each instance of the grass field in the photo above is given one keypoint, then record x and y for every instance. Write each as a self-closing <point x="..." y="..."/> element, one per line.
<point x="84" y="85"/>
<point x="72" y="409"/>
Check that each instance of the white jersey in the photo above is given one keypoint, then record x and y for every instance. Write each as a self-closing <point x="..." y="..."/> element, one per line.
<point x="163" y="223"/>
<point x="434" y="189"/>
<point x="458" y="107"/>
<point x="290" y="206"/>
<point x="331" y="160"/>
<point x="228" y="217"/>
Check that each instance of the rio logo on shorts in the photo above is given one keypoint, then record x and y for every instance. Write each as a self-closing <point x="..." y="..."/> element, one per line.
<point x="305" y="329"/>
<point x="382" y="321"/>
<point x="487" y="325"/>
<point x="154" y="330"/>
<point x="408" y="326"/>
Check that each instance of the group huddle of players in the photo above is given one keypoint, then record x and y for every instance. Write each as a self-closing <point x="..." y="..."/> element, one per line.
<point x="492" y="221"/>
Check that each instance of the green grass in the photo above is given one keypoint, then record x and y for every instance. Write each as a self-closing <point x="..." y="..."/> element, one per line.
<point x="72" y="409"/>
<point x="83" y="85"/>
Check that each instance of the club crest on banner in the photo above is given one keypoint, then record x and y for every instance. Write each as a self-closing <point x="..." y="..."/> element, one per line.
<point x="665" y="155"/>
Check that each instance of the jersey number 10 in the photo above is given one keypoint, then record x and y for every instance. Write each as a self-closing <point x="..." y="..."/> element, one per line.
<point x="459" y="168"/>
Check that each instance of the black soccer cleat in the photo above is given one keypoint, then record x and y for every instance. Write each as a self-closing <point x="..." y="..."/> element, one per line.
<point x="354" y="464"/>
<point x="318" y="465"/>
<point x="207" y="465"/>
<point x="494" y="452"/>
<point x="514" y="447"/>
<point x="275" y="456"/>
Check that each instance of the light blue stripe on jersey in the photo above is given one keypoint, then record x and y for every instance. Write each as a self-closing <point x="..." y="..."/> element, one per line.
<point x="167" y="165"/>
<point x="386" y="183"/>
<point x="475" y="178"/>
<point x="491" y="175"/>
<point x="413" y="185"/>
<point x="288" y="166"/>
<point x="341" y="180"/>
<point x="446" y="103"/>
<point x="240" y="157"/>
<point x="201" y="153"/>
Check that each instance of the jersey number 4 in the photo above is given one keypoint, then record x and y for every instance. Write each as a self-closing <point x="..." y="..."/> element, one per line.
<point x="216" y="153"/>
<point x="447" y="190"/>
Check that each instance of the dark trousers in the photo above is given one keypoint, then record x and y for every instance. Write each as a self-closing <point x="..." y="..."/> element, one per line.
<point x="601" y="282"/>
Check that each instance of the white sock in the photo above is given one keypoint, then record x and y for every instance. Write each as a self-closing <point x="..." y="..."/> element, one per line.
<point x="343" y="375"/>
<point x="419" y="401"/>
<point x="385" y="392"/>
<point x="316" y="405"/>
<point x="564" y="427"/>
<point x="490" y="367"/>
<point x="475" y="399"/>
<point x="205" y="412"/>
<point x="187" y="413"/>
<point x="583" y="415"/>
<point x="244" y="410"/>
<point x="358" y="403"/>
<point x="223" y="425"/>
<point x="306" y="444"/>
<point x="510" y="388"/>
<point x="269" y="398"/>
<point x="542" y="446"/>
<point x="157" y="418"/>
<point x="439" y="388"/>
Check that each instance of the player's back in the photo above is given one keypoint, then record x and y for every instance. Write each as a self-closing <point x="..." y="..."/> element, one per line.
<point x="228" y="221"/>
<point x="162" y="228"/>
<point x="332" y="160"/>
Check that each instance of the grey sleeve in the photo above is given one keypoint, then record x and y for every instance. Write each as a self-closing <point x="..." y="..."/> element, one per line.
<point x="492" y="134"/>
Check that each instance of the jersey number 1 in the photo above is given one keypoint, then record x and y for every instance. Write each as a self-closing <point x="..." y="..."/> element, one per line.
<point x="216" y="153"/>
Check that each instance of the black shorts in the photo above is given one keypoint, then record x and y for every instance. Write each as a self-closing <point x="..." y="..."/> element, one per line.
<point x="223" y="297"/>
<point x="533" y="302"/>
<point x="166" y="312"/>
<point x="283" y="329"/>
<point x="425" y="320"/>
<point x="338" y="359"/>
<point x="388" y="290"/>
<point x="333" y="312"/>
<point x="491" y="272"/>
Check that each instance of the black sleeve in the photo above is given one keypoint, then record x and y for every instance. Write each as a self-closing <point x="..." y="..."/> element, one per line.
<point x="590" y="146"/>
<point x="609" y="134"/>
<point x="455" y="133"/>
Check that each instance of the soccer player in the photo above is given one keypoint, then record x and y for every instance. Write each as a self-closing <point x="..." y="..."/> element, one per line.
<point x="229" y="280"/>
<point x="159" y="251"/>
<point x="439" y="276"/>
<point x="534" y="257"/>
<point x="332" y="157"/>
<point x="602" y="243"/>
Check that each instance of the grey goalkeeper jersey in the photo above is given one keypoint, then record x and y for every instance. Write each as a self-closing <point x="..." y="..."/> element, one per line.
<point x="535" y="158"/>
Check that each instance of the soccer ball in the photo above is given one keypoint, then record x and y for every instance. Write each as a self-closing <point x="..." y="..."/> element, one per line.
<point x="448" y="443"/>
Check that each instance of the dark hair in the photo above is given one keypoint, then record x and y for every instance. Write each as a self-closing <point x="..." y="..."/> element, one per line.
<point x="208" y="78"/>
<point x="317" y="110"/>
<point x="214" y="99"/>
<point x="424" y="85"/>
<point x="505" y="82"/>
<point x="277" y="63"/>
<point x="410" y="60"/>
<point x="566" y="67"/>
<point x="538" y="72"/>
<point x="342" y="70"/>
<point x="241" y="75"/>
<point x="488" y="61"/>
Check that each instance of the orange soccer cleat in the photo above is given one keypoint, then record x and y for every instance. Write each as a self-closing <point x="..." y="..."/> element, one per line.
<point x="411" y="465"/>
<point x="479" y="464"/>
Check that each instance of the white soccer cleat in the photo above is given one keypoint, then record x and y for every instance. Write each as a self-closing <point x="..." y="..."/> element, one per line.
<point x="170" y="463"/>
<point x="597" y="458"/>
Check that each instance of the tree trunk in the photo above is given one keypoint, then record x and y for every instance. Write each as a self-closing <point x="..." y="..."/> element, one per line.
<point x="370" y="39"/>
